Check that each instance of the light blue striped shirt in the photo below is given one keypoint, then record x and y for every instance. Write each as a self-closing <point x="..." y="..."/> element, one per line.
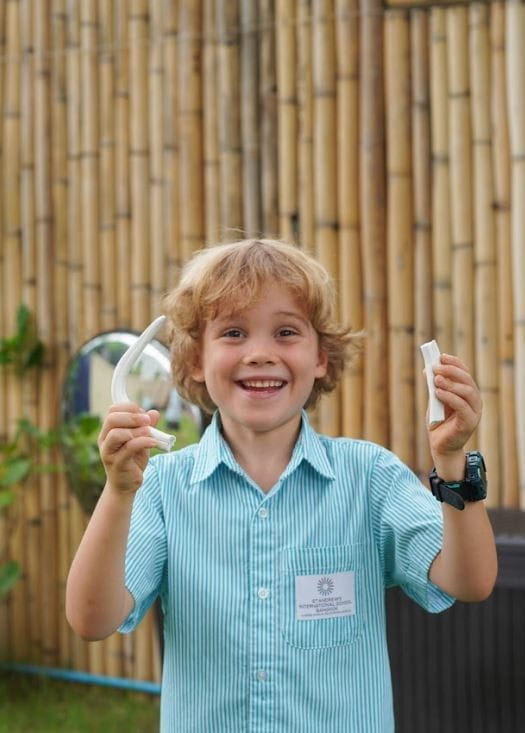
<point x="274" y="603"/>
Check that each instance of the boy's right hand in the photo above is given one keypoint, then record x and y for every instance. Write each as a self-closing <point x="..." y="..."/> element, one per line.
<point x="124" y="444"/>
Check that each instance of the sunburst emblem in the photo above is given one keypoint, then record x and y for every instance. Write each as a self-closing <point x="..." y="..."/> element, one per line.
<point x="325" y="586"/>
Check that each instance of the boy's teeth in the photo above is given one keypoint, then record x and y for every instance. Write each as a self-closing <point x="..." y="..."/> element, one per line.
<point x="263" y="383"/>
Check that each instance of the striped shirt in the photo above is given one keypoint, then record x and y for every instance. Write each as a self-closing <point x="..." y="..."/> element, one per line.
<point x="274" y="613"/>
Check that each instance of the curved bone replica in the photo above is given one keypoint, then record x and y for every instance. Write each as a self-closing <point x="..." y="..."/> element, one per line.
<point x="122" y="369"/>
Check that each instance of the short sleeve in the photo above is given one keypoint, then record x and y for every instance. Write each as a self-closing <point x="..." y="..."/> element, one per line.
<point x="146" y="551"/>
<point x="408" y="526"/>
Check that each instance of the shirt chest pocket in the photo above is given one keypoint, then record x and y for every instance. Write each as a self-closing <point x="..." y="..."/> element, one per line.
<point x="321" y="596"/>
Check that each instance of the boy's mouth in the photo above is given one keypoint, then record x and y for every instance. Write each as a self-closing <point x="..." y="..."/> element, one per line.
<point x="262" y="385"/>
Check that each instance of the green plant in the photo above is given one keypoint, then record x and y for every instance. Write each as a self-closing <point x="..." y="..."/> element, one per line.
<point x="84" y="469"/>
<point x="17" y="464"/>
<point x="23" y="350"/>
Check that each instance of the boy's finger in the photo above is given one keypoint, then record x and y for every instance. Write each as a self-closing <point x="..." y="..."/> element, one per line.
<point x="455" y="360"/>
<point x="124" y="420"/>
<point x="454" y="373"/>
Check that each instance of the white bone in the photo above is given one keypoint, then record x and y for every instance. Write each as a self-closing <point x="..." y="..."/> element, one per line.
<point x="431" y="356"/>
<point x="122" y="369"/>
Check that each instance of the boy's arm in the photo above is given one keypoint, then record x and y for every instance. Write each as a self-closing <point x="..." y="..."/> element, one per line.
<point x="466" y="567"/>
<point x="97" y="600"/>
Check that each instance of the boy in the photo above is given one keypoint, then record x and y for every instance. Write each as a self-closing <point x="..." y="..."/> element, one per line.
<point x="271" y="545"/>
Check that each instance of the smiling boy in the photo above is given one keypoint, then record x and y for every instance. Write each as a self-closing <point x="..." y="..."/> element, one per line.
<point x="270" y="545"/>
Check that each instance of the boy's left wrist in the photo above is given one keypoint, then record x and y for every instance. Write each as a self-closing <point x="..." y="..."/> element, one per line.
<point x="450" y="467"/>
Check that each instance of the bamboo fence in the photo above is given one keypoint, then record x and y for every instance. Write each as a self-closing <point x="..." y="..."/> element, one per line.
<point x="388" y="140"/>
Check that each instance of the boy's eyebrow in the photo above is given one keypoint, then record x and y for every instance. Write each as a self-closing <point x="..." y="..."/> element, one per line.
<point x="279" y="314"/>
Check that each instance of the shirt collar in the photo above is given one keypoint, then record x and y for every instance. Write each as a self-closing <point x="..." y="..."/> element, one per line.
<point x="213" y="450"/>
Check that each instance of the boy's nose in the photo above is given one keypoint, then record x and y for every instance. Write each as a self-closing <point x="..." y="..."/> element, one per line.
<point x="259" y="354"/>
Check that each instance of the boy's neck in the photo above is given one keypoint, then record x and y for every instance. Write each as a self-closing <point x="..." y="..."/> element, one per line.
<point x="264" y="456"/>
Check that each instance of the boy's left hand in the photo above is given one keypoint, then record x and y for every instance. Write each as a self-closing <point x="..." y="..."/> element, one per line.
<point x="456" y="388"/>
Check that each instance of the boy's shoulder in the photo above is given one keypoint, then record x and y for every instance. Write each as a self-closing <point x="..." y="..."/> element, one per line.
<point x="357" y="447"/>
<point x="363" y="455"/>
<point x="177" y="461"/>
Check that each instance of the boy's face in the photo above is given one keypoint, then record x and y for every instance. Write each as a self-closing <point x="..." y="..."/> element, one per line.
<point x="259" y="365"/>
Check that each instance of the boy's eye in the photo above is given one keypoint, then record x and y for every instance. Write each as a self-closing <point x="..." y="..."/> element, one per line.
<point x="233" y="333"/>
<point x="283" y="332"/>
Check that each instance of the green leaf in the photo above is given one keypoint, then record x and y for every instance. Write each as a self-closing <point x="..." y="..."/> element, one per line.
<point x="6" y="498"/>
<point x="22" y="319"/>
<point x="14" y="471"/>
<point x="9" y="574"/>
<point x="34" y="357"/>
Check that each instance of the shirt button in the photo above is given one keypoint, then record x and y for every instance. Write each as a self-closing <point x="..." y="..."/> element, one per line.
<point x="262" y="675"/>
<point x="263" y="593"/>
<point x="263" y="512"/>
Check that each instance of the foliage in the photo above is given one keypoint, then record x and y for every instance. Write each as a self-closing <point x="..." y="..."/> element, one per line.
<point x="84" y="469"/>
<point x="23" y="350"/>
<point x="18" y="461"/>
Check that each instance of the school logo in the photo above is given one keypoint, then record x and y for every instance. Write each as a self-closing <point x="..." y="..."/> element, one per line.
<point x="325" y="586"/>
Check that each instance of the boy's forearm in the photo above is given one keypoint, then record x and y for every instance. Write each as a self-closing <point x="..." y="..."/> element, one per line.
<point x="97" y="600"/>
<point x="466" y="567"/>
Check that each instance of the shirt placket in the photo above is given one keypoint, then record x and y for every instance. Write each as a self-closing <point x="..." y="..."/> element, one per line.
<point x="263" y="613"/>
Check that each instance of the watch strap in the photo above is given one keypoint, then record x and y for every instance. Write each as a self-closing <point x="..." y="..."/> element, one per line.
<point x="448" y="492"/>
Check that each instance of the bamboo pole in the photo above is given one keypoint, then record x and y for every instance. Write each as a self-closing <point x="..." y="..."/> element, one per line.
<point x="486" y="300"/>
<point x="90" y="210"/>
<point x="75" y="308"/>
<point x="268" y="119"/>
<point x="171" y="142"/>
<point x="210" y="131"/>
<point x="122" y="164"/>
<point x="4" y="611"/>
<point x="515" y="27"/>
<point x="400" y="269"/>
<point x="460" y="177"/>
<point x="350" y="290"/>
<point x="76" y="328"/>
<point x="372" y="207"/>
<point x="156" y="146"/>
<point x="106" y="142"/>
<point x="30" y="496"/>
<point x="47" y="326"/>
<point x="287" y="119"/>
<point x="139" y="163"/>
<point x="60" y="292"/>
<point x="190" y="128"/>
<point x="17" y="642"/>
<point x="422" y="214"/>
<point x="305" y="171"/>
<point x="441" y="226"/>
<point x="325" y="178"/>
<point x="112" y="663"/>
<point x="89" y="166"/>
<point x="230" y="168"/>
<point x="251" y="164"/>
<point x="501" y="168"/>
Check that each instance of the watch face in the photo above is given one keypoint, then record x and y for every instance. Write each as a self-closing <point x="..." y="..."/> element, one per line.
<point x="476" y="472"/>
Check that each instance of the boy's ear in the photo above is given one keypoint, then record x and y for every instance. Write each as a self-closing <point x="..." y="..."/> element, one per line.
<point x="322" y="364"/>
<point x="197" y="373"/>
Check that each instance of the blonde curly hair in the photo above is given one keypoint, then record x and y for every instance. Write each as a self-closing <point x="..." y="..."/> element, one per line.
<point x="230" y="278"/>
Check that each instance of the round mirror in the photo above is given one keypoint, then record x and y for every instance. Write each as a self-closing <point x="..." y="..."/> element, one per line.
<point x="86" y="397"/>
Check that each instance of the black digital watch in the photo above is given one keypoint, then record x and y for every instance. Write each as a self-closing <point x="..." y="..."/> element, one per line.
<point x="473" y="487"/>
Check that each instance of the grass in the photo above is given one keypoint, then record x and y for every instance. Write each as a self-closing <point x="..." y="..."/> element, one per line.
<point x="33" y="704"/>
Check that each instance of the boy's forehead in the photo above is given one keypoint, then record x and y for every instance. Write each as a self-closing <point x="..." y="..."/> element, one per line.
<point x="238" y="303"/>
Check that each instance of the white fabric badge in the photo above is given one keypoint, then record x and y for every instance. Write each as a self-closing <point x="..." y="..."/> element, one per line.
<point x="329" y="595"/>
